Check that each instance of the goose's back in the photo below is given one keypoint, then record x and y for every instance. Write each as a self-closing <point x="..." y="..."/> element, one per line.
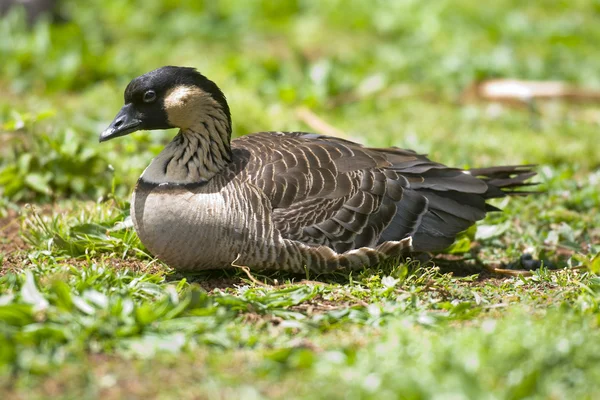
<point x="333" y="192"/>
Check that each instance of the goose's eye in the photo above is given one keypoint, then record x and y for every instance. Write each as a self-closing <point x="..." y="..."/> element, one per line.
<point x="149" y="96"/>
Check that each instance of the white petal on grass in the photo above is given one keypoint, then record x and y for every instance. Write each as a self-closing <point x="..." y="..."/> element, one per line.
<point x="96" y="298"/>
<point x="31" y="295"/>
<point x="147" y="346"/>
<point x="485" y="232"/>
<point x="83" y="305"/>
<point x="6" y="299"/>
<point x="389" y="281"/>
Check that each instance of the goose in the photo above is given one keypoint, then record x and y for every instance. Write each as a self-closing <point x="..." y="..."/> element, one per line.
<point x="287" y="200"/>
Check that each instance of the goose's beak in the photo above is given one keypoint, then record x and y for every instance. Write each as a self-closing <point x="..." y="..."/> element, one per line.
<point x="127" y="121"/>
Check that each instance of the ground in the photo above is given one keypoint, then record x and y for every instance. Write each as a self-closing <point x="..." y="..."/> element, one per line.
<point x="86" y="312"/>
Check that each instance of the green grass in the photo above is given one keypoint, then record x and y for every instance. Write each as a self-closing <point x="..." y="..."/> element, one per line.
<point x="86" y="312"/>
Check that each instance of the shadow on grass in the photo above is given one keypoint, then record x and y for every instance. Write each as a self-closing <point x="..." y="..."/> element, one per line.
<point x="223" y="279"/>
<point x="452" y="266"/>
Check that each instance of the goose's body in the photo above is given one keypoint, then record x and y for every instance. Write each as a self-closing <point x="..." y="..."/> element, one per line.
<point x="286" y="200"/>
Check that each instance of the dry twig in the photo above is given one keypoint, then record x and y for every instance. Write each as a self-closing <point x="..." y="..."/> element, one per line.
<point x="522" y="272"/>
<point x="317" y="124"/>
<point x="247" y="272"/>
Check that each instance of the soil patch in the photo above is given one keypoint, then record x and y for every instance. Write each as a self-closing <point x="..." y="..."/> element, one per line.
<point x="12" y="246"/>
<point x="10" y="229"/>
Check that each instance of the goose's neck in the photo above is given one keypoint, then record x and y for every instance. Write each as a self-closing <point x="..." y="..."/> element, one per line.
<point x="198" y="152"/>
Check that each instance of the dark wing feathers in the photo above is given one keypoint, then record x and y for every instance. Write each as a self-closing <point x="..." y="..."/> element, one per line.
<point x="407" y="217"/>
<point x="471" y="208"/>
<point x="506" y="178"/>
<point x="333" y="192"/>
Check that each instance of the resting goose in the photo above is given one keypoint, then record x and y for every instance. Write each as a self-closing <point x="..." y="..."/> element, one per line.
<point x="286" y="200"/>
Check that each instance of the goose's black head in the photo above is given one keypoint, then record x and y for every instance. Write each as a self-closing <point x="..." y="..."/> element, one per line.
<point x="168" y="97"/>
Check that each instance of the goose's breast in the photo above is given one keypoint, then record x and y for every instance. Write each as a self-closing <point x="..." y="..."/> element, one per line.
<point x="189" y="228"/>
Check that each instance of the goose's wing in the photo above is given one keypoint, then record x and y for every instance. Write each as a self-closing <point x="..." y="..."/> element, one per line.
<point x="330" y="191"/>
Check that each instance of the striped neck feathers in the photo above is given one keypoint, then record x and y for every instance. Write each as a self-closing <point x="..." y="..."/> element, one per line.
<point x="202" y="148"/>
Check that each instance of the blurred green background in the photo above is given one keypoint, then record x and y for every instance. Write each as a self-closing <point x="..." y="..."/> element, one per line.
<point x="83" y="307"/>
